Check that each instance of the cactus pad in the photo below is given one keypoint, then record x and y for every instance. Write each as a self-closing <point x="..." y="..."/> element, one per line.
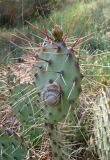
<point x="102" y="124"/>
<point x="24" y="103"/>
<point x="63" y="69"/>
<point x="12" y="146"/>
<point x="59" y="81"/>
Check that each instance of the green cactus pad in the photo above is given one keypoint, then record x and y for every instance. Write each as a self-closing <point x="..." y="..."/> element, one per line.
<point x="102" y="125"/>
<point x="59" y="79"/>
<point x="12" y="146"/>
<point x="24" y="103"/>
<point x="64" y="70"/>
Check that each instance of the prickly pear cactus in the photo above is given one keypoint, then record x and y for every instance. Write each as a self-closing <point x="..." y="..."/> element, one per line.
<point x="102" y="124"/>
<point x="59" y="79"/>
<point x="12" y="146"/>
<point x="24" y="103"/>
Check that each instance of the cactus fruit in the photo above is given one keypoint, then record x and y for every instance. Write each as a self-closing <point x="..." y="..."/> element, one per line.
<point x="25" y="108"/>
<point x="102" y="124"/>
<point x="12" y="146"/>
<point x="59" y="79"/>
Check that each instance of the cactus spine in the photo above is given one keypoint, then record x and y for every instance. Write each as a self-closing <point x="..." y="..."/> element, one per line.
<point x="102" y="124"/>
<point x="59" y="79"/>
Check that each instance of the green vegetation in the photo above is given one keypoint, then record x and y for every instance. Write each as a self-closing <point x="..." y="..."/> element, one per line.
<point x="43" y="110"/>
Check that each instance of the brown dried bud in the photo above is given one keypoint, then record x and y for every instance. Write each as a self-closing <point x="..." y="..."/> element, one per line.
<point x="50" y="94"/>
<point x="57" y="33"/>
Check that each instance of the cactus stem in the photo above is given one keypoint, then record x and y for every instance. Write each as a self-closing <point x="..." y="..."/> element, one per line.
<point x="54" y="139"/>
